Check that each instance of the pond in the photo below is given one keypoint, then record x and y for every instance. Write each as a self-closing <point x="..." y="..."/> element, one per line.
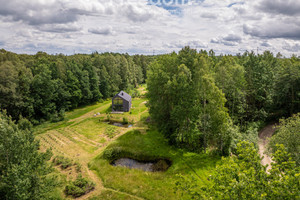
<point x="120" y="124"/>
<point x="151" y="166"/>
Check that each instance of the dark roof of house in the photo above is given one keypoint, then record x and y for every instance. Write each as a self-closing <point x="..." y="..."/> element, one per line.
<point x="124" y="96"/>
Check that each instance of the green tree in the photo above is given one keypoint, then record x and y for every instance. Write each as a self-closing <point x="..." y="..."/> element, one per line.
<point x="230" y="78"/>
<point x="8" y="86"/>
<point x="160" y="102"/>
<point x="260" y="76"/>
<point x="43" y="92"/>
<point x="287" y="88"/>
<point x="93" y="81"/>
<point x="288" y="134"/>
<point x="73" y="86"/>
<point x="24" y="173"/>
<point x="41" y="87"/>
<point x="186" y="104"/>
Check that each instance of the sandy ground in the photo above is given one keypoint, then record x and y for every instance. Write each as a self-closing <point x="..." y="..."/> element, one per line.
<point x="264" y="136"/>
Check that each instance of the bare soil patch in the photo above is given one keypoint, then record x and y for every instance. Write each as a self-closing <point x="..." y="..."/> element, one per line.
<point x="264" y="135"/>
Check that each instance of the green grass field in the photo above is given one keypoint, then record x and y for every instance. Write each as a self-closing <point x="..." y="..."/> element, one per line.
<point x="83" y="137"/>
<point x="150" y="185"/>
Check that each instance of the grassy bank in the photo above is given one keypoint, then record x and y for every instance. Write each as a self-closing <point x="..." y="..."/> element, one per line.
<point x="149" y="185"/>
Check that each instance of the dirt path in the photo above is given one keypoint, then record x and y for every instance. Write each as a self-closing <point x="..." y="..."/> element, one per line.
<point x="90" y="113"/>
<point x="264" y="135"/>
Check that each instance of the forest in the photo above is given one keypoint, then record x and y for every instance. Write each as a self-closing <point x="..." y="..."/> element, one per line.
<point x="199" y="100"/>
<point x="42" y="87"/>
<point x="206" y="104"/>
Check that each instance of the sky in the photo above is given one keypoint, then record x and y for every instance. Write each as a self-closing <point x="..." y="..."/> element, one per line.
<point x="150" y="26"/>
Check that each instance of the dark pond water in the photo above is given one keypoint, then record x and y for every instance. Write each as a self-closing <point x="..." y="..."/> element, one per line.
<point x="154" y="166"/>
<point x="120" y="124"/>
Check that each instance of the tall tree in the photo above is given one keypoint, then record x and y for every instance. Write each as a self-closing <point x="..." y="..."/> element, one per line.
<point x="287" y="88"/>
<point x="186" y="104"/>
<point x="260" y="84"/>
<point x="23" y="169"/>
<point x="230" y="78"/>
<point x="43" y="92"/>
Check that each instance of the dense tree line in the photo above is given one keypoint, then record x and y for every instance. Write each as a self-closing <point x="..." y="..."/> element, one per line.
<point x="41" y="87"/>
<point x="200" y="100"/>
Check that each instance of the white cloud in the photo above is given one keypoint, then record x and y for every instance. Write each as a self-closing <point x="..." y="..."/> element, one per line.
<point x="292" y="47"/>
<point x="102" y="30"/>
<point x="227" y="26"/>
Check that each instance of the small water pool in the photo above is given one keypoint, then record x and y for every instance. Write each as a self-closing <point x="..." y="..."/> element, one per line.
<point x="120" y="124"/>
<point x="151" y="166"/>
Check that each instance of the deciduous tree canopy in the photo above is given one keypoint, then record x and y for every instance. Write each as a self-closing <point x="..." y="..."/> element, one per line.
<point x="41" y="87"/>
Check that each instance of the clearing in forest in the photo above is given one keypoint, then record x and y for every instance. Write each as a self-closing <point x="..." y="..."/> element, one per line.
<point x="85" y="134"/>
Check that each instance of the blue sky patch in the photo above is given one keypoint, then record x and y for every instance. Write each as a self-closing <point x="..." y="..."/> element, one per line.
<point x="235" y="3"/>
<point x="173" y="6"/>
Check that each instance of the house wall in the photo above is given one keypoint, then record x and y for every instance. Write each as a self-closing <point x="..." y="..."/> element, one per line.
<point x="126" y="105"/>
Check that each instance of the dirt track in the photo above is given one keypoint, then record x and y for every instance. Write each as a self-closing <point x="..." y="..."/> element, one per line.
<point x="264" y="135"/>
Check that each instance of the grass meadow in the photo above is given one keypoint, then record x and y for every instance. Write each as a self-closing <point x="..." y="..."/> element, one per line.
<point x="85" y="135"/>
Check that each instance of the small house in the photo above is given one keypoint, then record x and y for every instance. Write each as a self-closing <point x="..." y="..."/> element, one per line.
<point x="121" y="102"/>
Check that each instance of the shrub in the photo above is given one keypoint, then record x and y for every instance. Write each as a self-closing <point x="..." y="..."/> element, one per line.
<point x="125" y="121"/>
<point x="288" y="134"/>
<point x="78" y="167"/>
<point x="58" y="116"/>
<point x="24" y="124"/>
<point x="62" y="161"/>
<point x="135" y="93"/>
<point x="108" y="118"/>
<point x="79" y="187"/>
<point x="111" y="131"/>
<point x="112" y="154"/>
<point x="161" y="165"/>
<point x="248" y="133"/>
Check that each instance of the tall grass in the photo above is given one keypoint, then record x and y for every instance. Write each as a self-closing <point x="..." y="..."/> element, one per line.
<point x="149" y="185"/>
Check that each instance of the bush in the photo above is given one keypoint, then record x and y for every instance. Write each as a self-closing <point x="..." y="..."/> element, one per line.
<point x="62" y="161"/>
<point x="79" y="187"/>
<point x="24" y="124"/>
<point x="112" y="154"/>
<point x="58" y="116"/>
<point x="288" y="134"/>
<point x="111" y="131"/>
<point x="161" y="165"/>
<point x="125" y="120"/>
<point x="78" y="167"/>
<point x="135" y="93"/>
<point x="108" y="118"/>
<point x="248" y="133"/>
